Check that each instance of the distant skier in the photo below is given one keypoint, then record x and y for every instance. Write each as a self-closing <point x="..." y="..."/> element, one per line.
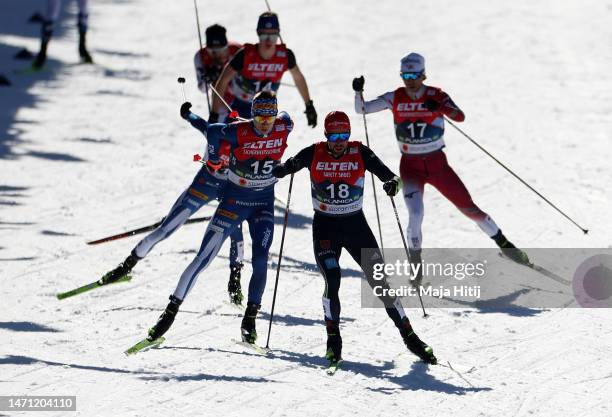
<point x="418" y="116"/>
<point x="257" y="146"/>
<point x="260" y="67"/>
<point x="337" y="175"/>
<point x="207" y="186"/>
<point x="51" y="15"/>
<point x="210" y="60"/>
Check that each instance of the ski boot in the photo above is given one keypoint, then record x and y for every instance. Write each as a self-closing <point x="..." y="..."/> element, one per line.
<point x="83" y="52"/>
<point x="416" y="345"/>
<point x="509" y="250"/>
<point x="45" y="37"/>
<point x="122" y="270"/>
<point x="165" y="320"/>
<point x="334" y="341"/>
<point x="415" y="259"/>
<point x="247" y="328"/>
<point x="233" y="285"/>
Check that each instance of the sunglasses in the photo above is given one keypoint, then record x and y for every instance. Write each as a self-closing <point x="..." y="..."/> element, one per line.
<point x="334" y="137"/>
<point x="273" y="37"/>
<point x="411" y="75"/>
<point x="264" y="119"/>
<point x="218" y="51"/>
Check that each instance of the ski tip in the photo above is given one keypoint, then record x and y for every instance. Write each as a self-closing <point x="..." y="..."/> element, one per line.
<point x="333" y="367"/>
<point x="143" y="345"/>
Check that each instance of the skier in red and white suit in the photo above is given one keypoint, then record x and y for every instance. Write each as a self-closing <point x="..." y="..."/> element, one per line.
<point x="418" y="117"/>
<point x="210" y="60"/>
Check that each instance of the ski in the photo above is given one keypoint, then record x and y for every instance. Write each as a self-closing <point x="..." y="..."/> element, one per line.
<point x="238" y="307"/>
<point x="544" y="271"/>
<point x="333" y="367"/>
<point x="89" y="287"/>
<point x="144" y="345"/>
<point x="144" y="229"/>
<point x="253" y="346"/>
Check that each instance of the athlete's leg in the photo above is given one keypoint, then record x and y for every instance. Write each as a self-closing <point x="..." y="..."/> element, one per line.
<point x="261" y="228"/>
<point x="413" y="180"/>
<point x="357" y="235"/>
<point x="51" y="15"/>
<point x="446" y="180"/>
<point x="184" y="207"/>
<point x="361" y="236"/>
<point x="237" y="247"/>
<point x="83" y="18"/>
<point x="53" y="10"/>
<point x="234" y="287"/>
<point x="327" y="250"/>
<point x="220" y="227"/>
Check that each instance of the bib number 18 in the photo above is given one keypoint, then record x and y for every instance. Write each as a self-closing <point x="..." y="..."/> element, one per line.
<point x="342" y="190"/>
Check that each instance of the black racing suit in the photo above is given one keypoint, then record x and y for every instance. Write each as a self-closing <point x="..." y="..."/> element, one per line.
<point x="331" y="233"/>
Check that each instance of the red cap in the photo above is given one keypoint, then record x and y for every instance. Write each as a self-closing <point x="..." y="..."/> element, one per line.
<point x="337" y="122"/>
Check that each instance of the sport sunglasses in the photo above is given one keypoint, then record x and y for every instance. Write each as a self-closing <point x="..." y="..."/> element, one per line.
<point x="334" y="137"/>
<point x="411" y="75"/>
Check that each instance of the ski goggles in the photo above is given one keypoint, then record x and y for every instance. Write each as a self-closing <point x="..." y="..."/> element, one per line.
<point x="264" y="119"/>
<point x="411" y="75"/>
<point x="272" y="37"/>
<point x="219" y="50"/>
<point x="334" y="137"/>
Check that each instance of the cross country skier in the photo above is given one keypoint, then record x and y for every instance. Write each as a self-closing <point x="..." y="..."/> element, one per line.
<point x="337" y="175"/>
<point x="257" y="146"/>
<point x="210" y="60"/>
<point x="205" y="187"/>
<point x="51" y="15"/>
<point x="260" y="67"/>
<point x="418" y="116"/>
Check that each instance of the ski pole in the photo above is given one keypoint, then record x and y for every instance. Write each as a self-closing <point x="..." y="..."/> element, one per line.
<point x="365" y="125"/>
<point x="143" y="230"/>
<point x="399" y="224"/>
<point x="195" y="5"/>
<point x="585" y="231"/>
<point x="181" y="81"/>
<point x="233" y="113"/>
<point x="280" y="258"/>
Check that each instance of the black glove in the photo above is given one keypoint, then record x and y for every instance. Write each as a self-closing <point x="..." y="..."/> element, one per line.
<point x="311" y="114"/>
<point x="392" y="187"/>
<point x="431" y="104"/>
<point x="358" y="84"/>
<point x="279" y="171"/>
<point x="185" y="109"/>
<point x="213" y="117"/>
<point x="211" y="74"/>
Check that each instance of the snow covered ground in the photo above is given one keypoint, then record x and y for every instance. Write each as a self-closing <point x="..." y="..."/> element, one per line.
<point x="87" y="151"/>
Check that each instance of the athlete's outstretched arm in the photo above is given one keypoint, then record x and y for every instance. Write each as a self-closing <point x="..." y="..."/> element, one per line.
<point x="451" y="110"/>
<point x="292" y="165"/>
<point x="300" y="83"/>
<point x="375" y="165"/>
<point x="217" y="132"/>
<point x="380" y="103"/>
